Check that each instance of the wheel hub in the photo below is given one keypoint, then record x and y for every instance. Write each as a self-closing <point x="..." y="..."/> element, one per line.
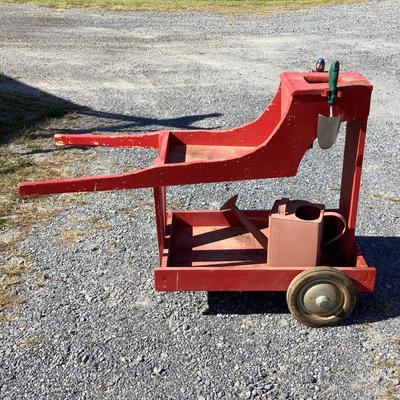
<point x="322" y="299"/>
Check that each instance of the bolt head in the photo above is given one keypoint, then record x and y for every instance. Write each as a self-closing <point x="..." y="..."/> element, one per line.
<point x="322" y="301"/>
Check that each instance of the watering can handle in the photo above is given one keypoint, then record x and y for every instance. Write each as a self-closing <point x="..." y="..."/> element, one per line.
<point x="339" y="216"/>
<point x="333" y="79"/>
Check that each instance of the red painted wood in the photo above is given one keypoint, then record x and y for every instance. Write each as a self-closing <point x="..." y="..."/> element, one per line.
<point x="226" y="257"/>
<point x="122" y="140"/>
<point x="160" y="210"/>
<point x="351" y="179"/>
<point x="257" y="277"/>
<point x="277" y="141"/>
<point x="209" y="250"/>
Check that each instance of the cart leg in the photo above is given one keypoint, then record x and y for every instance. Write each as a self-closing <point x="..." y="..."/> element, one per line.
<point x="160" y="209"/>
<point x="351" y="178"/>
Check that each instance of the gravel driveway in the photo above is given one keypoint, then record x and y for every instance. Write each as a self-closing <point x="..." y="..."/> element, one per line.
<point x="96" y="329"/>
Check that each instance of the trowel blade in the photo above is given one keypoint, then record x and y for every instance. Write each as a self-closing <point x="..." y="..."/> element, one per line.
<point x="327" y="130"/>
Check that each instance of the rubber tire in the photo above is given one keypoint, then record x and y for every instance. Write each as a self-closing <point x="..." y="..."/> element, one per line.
<point x="318" y="275"/>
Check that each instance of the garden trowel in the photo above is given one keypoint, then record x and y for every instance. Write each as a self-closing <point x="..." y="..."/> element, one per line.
<point x="328" y="127"/>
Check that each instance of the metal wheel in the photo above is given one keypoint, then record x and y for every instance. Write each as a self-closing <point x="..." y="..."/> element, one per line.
<point x="321" y="296"/>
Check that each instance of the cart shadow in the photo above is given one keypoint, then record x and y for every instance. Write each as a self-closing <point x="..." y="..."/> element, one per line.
<point x="122" y="122"/>
<point x="384" y="302"/>
<point x="23" y="106"/>
<point x="243" y="303"/>
<point x="381" y="305"/>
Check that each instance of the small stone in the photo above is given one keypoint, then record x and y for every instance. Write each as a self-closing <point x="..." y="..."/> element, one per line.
<point x="140" y="358"/>
<point x="88" y="298"/>
<point x="262" y="373"/>
<point x="368" y="346"/>
<point x="158" y="370"/>
<point x="310" y="379"/>
<point x="246" y="394"/>
<point x="113" y="380"/>
<point x="84" y="358"/>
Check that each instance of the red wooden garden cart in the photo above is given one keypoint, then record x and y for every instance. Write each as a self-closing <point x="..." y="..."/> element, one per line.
<point x="230" y="249"/>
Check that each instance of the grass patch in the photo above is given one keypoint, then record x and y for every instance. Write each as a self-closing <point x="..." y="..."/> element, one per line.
<point x="3" y="223"/>
<point x="18" y="215"/>
<point x="26" y="153"/>
<point x="219" y="6"/>
<point x="24" y="159"/>
<point x="391" y="391"/>
<point x="11" y="276"/>
<point x="393" y="199"/>
<point x="20" y="114"/>
<point x="23" y="213"/>
<point x="72" y="236"/>
<point x="8" y="301"/>
<point x="30" y="342"/>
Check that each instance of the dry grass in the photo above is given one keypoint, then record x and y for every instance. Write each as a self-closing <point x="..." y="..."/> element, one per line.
<point x="30" y="342"/>
<point x="393" y="199"/>
<point x="71" y="236"/>
<point x="98" y="223"/>
<point x="17" y="216"/>
<point x="388" y="197"/>
<point x="391" y="391"/>
<point x="23" y="213"/>
<point x="12" y="272"/>
<point x="9" y="301"/>
<point x="11" y="276"/>
<point x="129" y="213"/>
<point x="390" y="394"/>
<point x="218" y="6"/>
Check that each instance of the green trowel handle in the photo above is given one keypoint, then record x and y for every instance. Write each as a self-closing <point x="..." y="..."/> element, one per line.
<point x="333" y="78"/>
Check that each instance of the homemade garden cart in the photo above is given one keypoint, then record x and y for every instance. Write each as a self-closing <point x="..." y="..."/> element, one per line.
<point x="298" y="247"/>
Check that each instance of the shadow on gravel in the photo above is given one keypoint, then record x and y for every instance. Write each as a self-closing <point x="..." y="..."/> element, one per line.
<point x="246" y="303"/>
<point x="382" y="304"/>
<point x="130" y="121"/>
<point x="22" y="107"/>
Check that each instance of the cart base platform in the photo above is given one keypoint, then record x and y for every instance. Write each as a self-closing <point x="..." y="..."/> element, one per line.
<point x="211" y="251"/>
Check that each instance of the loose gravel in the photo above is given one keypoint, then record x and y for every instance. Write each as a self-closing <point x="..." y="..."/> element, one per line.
<point x="96" y="328"/>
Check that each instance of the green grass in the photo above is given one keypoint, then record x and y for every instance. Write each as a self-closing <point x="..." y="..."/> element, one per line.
<point x="220" y="6"/>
